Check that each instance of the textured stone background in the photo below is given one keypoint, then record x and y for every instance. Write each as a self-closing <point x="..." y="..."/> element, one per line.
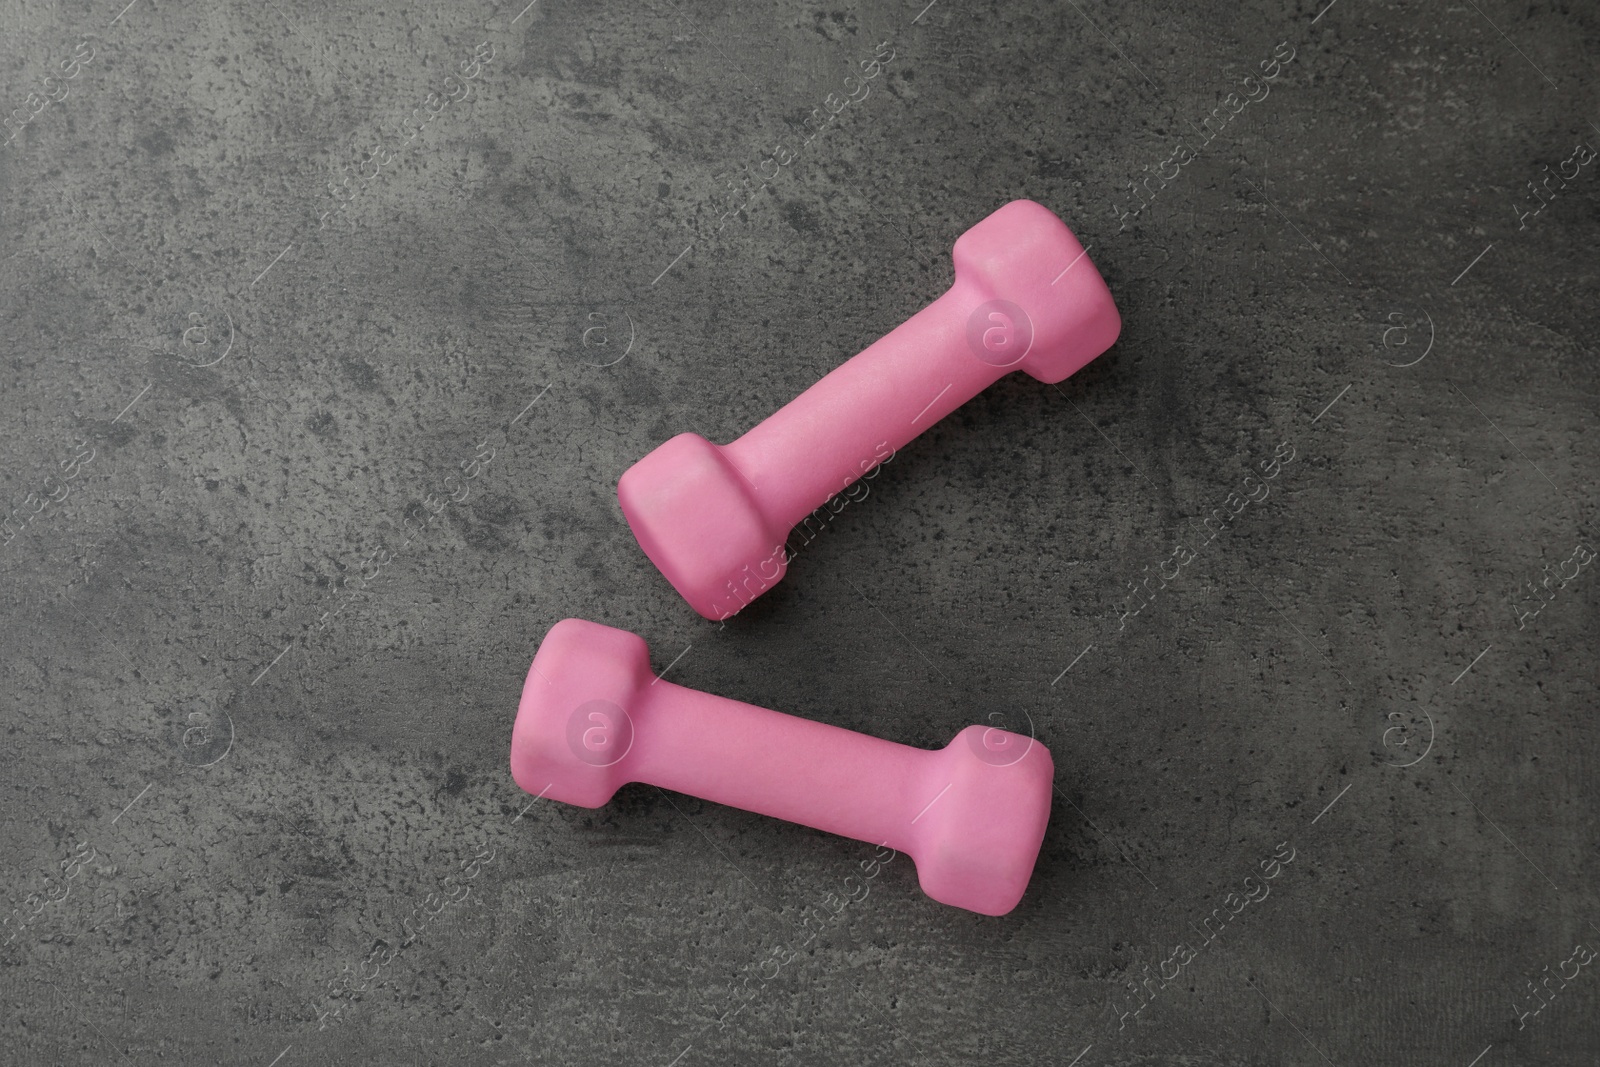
<point x="255" y="740"/>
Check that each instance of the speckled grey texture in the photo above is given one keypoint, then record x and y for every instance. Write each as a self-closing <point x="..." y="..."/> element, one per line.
<point x="285" y="532"/>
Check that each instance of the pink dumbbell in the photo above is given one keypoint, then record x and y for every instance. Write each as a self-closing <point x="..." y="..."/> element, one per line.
<point x="970" y="815"/>
<point x="714" y="518"/>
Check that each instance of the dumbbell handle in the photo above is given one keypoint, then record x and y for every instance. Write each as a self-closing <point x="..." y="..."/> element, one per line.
<point x="901" y="384"/>
<point x="780" y="765"/>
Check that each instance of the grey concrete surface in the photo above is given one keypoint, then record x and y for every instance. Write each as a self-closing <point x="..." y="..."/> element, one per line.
<point x="281" y="281"/>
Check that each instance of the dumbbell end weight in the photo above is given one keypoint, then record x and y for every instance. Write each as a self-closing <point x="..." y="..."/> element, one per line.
<point x="979" y="852"/>
<point x="1032" y="298"/>
<point x="699" y="522"/>
<point x="574" y="730"/>
<point x="971" y="815"/>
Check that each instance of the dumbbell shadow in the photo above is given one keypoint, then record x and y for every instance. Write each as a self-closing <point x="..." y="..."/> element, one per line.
<point x="970" y="815"/>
